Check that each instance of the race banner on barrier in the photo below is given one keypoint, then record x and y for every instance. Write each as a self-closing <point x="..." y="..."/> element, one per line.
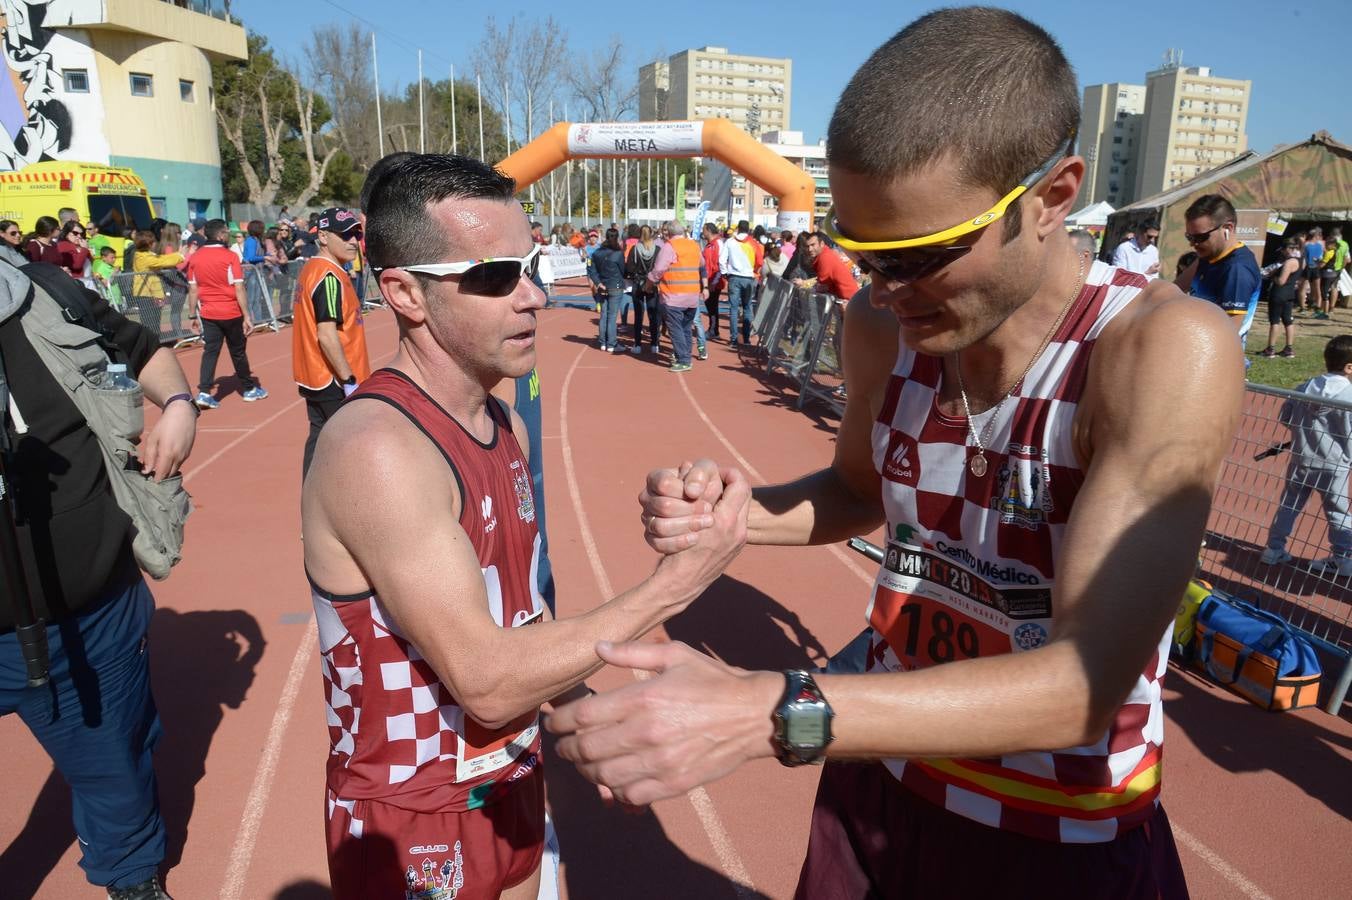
<point x="620" y="139"/>
<point x="558" y="262"/>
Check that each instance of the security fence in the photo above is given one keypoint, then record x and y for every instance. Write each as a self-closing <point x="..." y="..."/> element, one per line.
<point x="1279" y="534"/>
<point x="158" y="298"/>
<point x="800" y="332"/>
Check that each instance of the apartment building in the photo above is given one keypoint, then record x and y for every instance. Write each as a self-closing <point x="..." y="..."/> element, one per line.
<point x="1193" y="121"/>
<point x="710" y="83"/>
<point x="736" y="194"/>
<point x="126" y="83"/>
<point x="1111" y="116"/>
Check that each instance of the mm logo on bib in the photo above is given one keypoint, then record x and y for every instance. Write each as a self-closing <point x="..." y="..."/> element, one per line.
<point x="901" y="463"/>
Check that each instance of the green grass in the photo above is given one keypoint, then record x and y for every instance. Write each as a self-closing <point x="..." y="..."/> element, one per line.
<point x="1311" y="336"/>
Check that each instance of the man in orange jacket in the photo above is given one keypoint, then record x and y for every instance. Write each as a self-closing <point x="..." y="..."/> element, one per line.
<point x="328" y="336"/>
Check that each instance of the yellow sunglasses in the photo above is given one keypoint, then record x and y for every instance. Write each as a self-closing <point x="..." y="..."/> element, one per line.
<point x="948" y="235"/>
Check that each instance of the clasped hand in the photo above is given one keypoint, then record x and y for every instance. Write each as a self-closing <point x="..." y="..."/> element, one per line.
<point x="699" y="718"/>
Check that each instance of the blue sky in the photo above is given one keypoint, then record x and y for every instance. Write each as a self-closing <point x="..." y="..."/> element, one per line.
<point x="1283" y="48"/>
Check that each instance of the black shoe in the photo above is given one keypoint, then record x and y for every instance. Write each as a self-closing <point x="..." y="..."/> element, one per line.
<point x="146" y="890"/>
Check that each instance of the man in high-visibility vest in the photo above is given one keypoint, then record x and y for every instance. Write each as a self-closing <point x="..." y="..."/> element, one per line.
<point x="679" y="274"/>
<point x="328" y="336"/>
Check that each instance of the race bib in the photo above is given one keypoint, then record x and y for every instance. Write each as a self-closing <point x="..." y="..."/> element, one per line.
<point x="929" y="609"/>
<point x="481" y="751"/>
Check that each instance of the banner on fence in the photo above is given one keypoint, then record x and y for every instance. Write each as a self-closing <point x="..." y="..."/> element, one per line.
<point x="558" y="263"/>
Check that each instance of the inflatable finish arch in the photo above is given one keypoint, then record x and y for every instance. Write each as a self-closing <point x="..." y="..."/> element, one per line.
<point x="718" y="138"/>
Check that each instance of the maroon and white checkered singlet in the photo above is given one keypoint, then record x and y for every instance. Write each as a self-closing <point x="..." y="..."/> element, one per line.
<point x="969" y="570"/>
<point x="395" y="731"/>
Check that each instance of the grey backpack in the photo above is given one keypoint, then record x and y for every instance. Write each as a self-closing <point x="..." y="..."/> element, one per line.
<point x="62" y="330"/>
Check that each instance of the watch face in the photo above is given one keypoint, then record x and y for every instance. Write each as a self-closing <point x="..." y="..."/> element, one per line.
<point x="806" y="728"/>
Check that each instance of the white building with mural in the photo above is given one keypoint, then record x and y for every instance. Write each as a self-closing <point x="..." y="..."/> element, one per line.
<point x="122" y="82"/>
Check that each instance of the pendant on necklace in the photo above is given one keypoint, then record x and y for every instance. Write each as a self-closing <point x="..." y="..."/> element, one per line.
<point x="977" y="465"/>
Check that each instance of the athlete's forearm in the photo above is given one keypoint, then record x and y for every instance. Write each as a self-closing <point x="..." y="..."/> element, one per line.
<point x="816" y="509"/>
<point x="523" y="668"/>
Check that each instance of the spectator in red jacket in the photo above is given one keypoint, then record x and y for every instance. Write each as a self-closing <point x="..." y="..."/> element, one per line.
<point x="713" y="243"/>
<point x="834" y="275"/>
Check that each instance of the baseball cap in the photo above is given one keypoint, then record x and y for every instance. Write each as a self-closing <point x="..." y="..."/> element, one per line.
<point x="337" y="220"/>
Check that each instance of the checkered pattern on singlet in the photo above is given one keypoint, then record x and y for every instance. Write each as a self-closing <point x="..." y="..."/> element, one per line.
<point x="394" y="729"/>
<point x="1008" y="526"/>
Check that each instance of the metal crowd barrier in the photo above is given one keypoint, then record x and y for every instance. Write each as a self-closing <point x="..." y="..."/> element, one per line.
<point x="1258" y="478"/>
<point x="824" y="375"/>
<point x="774" y="292"/>
<point x="158" y="299"/>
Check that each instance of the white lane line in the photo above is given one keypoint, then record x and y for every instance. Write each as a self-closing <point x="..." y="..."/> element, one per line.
<point x="242" y="853"/>
<point x="834" y="550"/>
<point x="728" y="857"/>
<point x="197" y="469"/>
<point x="1218" y="863"/>
<point x="588" y="541"/>
<point x="1209" y="856"/>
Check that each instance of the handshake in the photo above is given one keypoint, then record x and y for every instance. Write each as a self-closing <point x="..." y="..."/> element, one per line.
<point x="696" y="516"/>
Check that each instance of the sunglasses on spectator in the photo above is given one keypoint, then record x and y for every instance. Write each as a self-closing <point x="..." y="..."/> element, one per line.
<point x="13" y="232"/>
<point x="1199" y="236"/>
<point x="911" y="259"/>
<point x="494" y="277"/>
<point x="77" y="233"/>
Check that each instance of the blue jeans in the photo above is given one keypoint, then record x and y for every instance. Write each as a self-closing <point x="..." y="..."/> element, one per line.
<point x="97" y="721"/>
<point x="701" y="338"/>
<point x="741" y="293"/>
<point x="679" y="322"/>
<point x="610" y="306"/>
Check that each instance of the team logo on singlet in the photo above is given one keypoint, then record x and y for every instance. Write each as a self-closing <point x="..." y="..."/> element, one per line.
<point x="901" y="463"/>
<point x="1022" y="495"/>
<point x="436" y="882"/>
<point x="525" y="500"/>
<point x="490" y="517"/>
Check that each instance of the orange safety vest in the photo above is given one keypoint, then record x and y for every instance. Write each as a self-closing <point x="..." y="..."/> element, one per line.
<point x="682" y="276"/>
<point x="308" y="365"/>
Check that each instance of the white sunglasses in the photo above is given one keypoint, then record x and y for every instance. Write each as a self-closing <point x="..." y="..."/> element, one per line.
<point x="490" y="277"/>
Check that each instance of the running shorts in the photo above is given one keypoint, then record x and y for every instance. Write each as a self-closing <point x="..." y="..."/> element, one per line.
<point x="1280" y="312"/>
<point x="378" y="851"/>
<point x="1311" y="273"/>
<point x="871" y="839"/>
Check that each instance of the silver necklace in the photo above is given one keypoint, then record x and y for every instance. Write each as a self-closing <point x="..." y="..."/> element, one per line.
<point x="977" y="465"/>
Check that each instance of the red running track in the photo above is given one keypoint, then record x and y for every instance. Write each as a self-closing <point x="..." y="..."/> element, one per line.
<point x="1260" y="802"/>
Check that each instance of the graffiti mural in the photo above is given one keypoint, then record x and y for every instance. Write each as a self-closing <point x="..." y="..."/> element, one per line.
<point x="38" y="120"/>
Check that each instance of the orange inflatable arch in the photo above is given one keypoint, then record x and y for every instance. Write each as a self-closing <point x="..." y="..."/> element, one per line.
<point x="718" y="138"/>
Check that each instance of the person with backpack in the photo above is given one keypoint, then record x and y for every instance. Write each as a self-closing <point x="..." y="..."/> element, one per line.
<point x="78" y="562"/>
<point x="641" y="259"/>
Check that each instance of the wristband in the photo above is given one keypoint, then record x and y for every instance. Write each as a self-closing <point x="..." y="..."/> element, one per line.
<point x="187" y="398"/>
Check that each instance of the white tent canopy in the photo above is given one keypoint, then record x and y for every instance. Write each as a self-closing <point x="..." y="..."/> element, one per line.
<point x="1095" y="214"/>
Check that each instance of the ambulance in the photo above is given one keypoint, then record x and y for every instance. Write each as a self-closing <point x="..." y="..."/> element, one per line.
<point x="113" y="198"/>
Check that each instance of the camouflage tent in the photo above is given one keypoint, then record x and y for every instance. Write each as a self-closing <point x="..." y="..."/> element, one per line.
<point x="1310" y="181"/>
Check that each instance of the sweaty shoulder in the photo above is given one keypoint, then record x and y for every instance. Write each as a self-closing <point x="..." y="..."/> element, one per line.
<point x="374" y="477"/>
<point x="1167" y="361"/>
